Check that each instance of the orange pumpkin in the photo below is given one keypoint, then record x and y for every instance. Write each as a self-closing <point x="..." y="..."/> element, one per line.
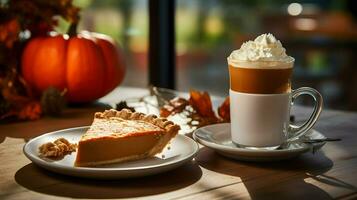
<point x="88" y="65"/>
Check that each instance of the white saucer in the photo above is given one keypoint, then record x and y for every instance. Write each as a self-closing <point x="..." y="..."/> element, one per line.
<point x="182" y="149"/>
<point x="218" y="138"/>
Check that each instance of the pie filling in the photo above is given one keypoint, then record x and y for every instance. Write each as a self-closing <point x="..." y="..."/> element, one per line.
<point x="106" y="148"/>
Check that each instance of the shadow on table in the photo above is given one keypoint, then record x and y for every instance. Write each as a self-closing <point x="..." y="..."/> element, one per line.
<point x="274" y="180"/>
<point x="43" y="181"/>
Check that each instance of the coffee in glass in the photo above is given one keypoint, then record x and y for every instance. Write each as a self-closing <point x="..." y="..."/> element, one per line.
<point x="261" y="95"/>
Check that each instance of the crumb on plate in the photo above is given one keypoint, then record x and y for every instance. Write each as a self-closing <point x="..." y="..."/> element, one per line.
<point x="57" y="149"/>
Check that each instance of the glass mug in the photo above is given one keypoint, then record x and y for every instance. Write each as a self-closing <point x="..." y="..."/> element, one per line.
<point x="260" y="102"/>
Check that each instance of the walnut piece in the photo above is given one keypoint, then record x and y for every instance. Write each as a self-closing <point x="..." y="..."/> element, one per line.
<point x="57" y="149"/>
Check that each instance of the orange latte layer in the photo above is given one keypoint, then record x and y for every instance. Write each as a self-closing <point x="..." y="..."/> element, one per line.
<point x="260" y="80"/>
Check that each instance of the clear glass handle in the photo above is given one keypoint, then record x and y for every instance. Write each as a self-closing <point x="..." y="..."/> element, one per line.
<point x="294" y="132"/>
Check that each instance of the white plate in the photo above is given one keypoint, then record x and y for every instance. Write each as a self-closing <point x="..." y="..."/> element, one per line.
<point x="218" y="138"/>
<point x="182" y="149"/>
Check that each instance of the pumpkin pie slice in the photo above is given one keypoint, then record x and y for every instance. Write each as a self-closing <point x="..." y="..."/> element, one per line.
<point x="118" y="136"/>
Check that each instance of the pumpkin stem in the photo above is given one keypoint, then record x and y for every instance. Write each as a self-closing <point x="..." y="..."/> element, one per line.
<point x="72" y="31"/>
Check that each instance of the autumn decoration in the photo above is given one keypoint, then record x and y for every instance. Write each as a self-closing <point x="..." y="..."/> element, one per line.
<point x="41" y="70"/>
<point x="198" y="108"/>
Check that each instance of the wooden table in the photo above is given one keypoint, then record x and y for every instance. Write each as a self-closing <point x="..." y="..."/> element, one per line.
<point x="329" y="173"/>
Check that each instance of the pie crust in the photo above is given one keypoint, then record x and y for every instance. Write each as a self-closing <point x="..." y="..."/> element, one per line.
<point x="114" y="133"/>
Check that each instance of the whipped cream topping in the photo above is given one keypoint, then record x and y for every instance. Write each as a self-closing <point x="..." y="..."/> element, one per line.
<point x="264" y="48"/>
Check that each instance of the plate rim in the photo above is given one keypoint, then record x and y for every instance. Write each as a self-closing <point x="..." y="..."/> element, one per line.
<point x="38" y="161"/>
<point x="219" y="147"/>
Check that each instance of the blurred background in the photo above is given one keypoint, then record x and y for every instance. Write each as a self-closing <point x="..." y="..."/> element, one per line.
<point x="321" y="35"/>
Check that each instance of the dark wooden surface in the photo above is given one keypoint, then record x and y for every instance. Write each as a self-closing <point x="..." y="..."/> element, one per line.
<point x="330" y="173"/>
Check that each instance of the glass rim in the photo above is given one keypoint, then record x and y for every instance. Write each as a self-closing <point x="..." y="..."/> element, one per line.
<point x="262" y="64"/>
<point x="291" y="60"/>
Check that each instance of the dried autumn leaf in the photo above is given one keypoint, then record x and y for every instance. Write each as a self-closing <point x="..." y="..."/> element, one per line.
<point x="31" y="111"/>
<point x="9" y="32"/>
<point x="199" y="121"/>
<point x="165" y="111"/>
<point x="175" y="105"/>
<point x="123" y="105"/>
<point x="201" y="102"/>
<point x="224" y="110"/>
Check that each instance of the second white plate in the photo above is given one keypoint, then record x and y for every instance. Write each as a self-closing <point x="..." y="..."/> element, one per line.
<point x="182" y="150"/>
<point x="218" y="138"/>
